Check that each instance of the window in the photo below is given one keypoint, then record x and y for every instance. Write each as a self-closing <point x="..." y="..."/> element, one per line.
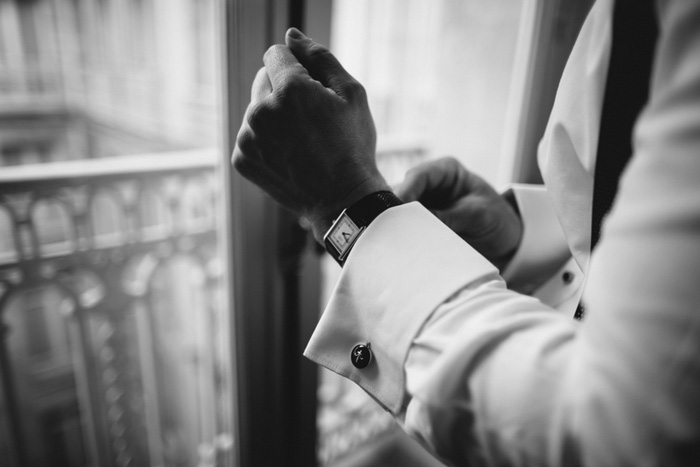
<point x="116" y="348"/>
<point x="155" y="304"/>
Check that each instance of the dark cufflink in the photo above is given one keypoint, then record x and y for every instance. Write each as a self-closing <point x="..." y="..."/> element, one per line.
<point x="361" y="356"/>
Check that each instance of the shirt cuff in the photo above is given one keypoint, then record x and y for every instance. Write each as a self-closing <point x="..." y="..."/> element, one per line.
<point x="543" y="249"/>
<point x="400" y="270"/>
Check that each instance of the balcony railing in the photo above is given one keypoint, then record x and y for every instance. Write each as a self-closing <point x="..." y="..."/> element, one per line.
<point x="112" y="350"/>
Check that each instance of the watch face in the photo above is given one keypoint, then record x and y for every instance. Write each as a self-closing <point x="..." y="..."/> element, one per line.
<point x="343" y="234"/>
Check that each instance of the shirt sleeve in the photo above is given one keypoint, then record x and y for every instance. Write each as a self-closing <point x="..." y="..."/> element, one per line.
<point x="483" y="375"/>
<point x="543" y="248"/>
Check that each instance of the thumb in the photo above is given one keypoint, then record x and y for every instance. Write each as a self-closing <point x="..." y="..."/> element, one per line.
<point x="320" y="63"/>
<point x="433" y="183"/>
<point x="412" y="187"/>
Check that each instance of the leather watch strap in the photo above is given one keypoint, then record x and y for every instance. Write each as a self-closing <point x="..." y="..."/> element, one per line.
<point x="368" y="208"/>
<point x="350" y="224"/>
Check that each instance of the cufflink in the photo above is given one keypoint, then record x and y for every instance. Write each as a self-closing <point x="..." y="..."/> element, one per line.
<point x="361" y="356"/>
<point x="567" y="277"/>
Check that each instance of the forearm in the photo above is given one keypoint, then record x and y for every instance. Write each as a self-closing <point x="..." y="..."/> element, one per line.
<point x="487" y="376"/>
<point x="490" y="365"/>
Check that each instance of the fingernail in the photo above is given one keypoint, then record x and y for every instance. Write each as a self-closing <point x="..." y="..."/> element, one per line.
<point x="294" y="33"/>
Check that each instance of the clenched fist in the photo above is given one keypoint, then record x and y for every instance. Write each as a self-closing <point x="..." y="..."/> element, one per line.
<point x="308" y="138"/>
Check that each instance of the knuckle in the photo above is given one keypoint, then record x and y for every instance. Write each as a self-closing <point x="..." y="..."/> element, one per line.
<point x="237" y="159"/>
<point x="424" y="169"/>
<point x="292" y="85"/>
<point x="448" y="162"/>
<point x="261" y="73"/>
<point x="261" y="78"/>
<point x="258" y="115"/>
<point x="240" y="161"/>
<point x="272" y="51"/>
<point x="293" y="92"/>
<point x="316" y="51"/>
<point x="415" y="173"/>
<point x="481" y="216"/>
<point x="245" y="144"/>
<point x="355" y="90"/>
<point x="429" y="166"/>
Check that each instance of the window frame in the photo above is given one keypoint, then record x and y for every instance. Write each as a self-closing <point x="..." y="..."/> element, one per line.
<point x="272" y="263"/>
<point x="547" y="32"/>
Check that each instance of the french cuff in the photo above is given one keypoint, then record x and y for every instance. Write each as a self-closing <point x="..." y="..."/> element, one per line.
<point x="400" y="270"/>
<point x="543" y="249"/>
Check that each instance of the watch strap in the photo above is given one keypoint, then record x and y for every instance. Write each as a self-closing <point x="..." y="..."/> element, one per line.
<point x="352" y="221"/>
<point x="364" y="211"/>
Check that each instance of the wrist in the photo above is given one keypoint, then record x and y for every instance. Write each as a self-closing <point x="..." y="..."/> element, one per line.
<point x="323" y="217"/>
<point x="352" y="222"/>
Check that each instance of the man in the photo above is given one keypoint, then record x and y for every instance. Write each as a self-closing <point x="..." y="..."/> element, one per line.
<point x="480" y="373"/>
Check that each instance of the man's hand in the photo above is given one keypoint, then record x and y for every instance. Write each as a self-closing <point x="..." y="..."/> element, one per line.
<point x="467" y="205"/>
<point x="308" y="138"/>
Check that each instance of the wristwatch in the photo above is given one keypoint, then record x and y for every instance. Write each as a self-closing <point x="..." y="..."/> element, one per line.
<point x="352" y="222"/>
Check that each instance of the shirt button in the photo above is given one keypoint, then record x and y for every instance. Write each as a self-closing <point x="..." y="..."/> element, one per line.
<point x="567" y="277"/>
<point x="361" y="356"/>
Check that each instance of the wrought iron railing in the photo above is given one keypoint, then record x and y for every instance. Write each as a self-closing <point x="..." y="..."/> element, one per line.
<point x="112" y="344"/>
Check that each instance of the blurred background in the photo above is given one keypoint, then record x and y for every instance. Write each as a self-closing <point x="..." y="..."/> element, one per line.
<point x="114" y="345"/>
<point x="153" y="305"/>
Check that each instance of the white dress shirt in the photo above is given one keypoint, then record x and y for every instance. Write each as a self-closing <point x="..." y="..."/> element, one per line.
<point x="484" y="375"/>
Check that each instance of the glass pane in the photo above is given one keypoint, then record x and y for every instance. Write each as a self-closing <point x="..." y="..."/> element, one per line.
<point x="437" y="74"/>
<point x="115" y="350"/>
